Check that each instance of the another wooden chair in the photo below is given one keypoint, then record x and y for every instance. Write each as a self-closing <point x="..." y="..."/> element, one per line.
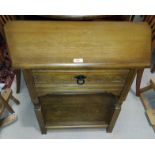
<point x="3" y="20"/>
<point x="150" y="112"/>
<point x="5" y="96"/>
<point x="149" y="109"/>
<point x="150" y="19"/>
<point x="151" y="22"/>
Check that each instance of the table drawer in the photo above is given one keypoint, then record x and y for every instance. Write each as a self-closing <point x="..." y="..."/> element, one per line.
<point x="52" y="81"/>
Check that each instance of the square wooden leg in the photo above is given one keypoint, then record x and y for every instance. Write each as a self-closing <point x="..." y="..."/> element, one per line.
<point x="40" y="118"/>
<point x="114" y="118"/>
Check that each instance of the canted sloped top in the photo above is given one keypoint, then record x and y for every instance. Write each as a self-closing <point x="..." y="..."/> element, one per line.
<point x="49" y="44"/>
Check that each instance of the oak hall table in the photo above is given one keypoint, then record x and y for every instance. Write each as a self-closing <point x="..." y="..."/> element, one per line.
<point x="78" y="73"/>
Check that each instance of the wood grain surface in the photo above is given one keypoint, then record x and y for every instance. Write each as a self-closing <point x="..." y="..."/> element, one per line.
<point x="38" y="44"/>
<point x="78" y="110"/>
<point x="64" y="81"/>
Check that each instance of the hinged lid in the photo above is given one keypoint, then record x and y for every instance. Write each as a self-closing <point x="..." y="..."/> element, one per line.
<point x="47" y="44"/>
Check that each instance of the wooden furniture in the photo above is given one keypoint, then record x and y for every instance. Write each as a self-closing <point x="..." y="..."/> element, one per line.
<point x="78" y="73"/>
<point x="3" y="20"/>
<point x="150" y="19"/>
<point x="5" y="96"/>
<point x="149" y="107"/>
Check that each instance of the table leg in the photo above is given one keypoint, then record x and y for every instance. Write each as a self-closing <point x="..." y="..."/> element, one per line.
<point x="114" y="118"/>
<point x="40" y="118"/>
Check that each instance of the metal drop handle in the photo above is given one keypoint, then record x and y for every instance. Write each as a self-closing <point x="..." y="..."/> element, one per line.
<point x="80" y="79"/>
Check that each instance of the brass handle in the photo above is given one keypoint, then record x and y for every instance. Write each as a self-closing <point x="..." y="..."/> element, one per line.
<point x="80" y="79"/>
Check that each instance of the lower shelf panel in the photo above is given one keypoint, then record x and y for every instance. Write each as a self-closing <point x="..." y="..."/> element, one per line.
<point x="80" y="110"/>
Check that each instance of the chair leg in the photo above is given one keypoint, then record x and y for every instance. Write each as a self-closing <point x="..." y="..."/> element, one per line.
<point x="18" y="80"/>
<point x="153" y="69"/>
<point x="142" y="90"/>
<point x="138" y="81"/>
<point x="8" y="107"/>
<point x="14" y="99"/>
<point x="8" y="120"/>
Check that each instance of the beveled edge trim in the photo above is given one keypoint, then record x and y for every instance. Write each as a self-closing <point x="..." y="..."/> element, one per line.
<point x="82" y="65"/>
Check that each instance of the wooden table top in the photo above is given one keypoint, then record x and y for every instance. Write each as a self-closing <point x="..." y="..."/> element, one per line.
<point x="49" y="44"/>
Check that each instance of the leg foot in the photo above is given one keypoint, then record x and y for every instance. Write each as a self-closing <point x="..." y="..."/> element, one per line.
<point x="44" y="131"/>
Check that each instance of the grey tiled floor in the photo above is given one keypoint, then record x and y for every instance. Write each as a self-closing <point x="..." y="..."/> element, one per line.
<point x="131" y="123"/>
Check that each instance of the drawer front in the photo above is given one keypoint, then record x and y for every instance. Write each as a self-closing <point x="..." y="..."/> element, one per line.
<point x="57" y="81"/>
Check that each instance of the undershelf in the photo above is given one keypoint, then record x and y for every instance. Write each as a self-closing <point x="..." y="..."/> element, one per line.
<point x="80" y="110"/>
